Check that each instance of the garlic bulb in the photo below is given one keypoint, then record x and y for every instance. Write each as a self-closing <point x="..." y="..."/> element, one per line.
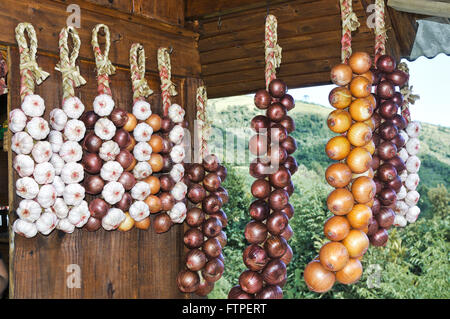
<point x="404" y="135"/>
<point x="44" y="173"/>
<point x="413" y="164"/>
<point x="42" y="152"/>
<point x="176" y="134"/>
<point x="59" y="185"/>
<point x="58" y="163"/>
<point x="56" y="140"/>
<point x="413" y="146"/>
<point x="46" y="223"/>
<point x="58" y="119"/>
<point x="113" y="219"/>
<point x="140" y="191"/>
<point x="103" y="105"/>
<point x="142" y="170"/>
<point x="73" y="107"/>
<point x="177" y="154"/>
<point x="176" y="113"/>
<point x="71" y="151"/>
<point x="29" y="210"/>
<point x="139" y="210"/>
<point x="142" y="132"/>
<point x="412" y="214"/>
<point x="403" y="175"/>
<point x="400" y="221"/>
<point x="412" y="181"/>
<point x="72" y="173"/>
<point x="111" y="171"/>
<point x="177" y="172"/>
<point x="401" y="208"/>
<point x="74" y="130"/>
<point x="109" y="150"/>
<point x="142" y="110"/>
<point x="73" y="194"/>
<point x="105" y="129"/>
<point x="413" y="129"/>
<point x="142" y="151"/>
<point x="65" y="226"/>
<point x="17" y="120"/>
<point x="402" y="192"/>
<point x="33" y="105"/>
<point x="22" y="143"/>
<point x="178" y="213"/>
<point x="24" y="165"/>
<point x="403" y="154"/>
<point x="113" y="192"/>
<point x="179" y="191"/>
<point x="38" y="128"/>
<point x="24" y="228"/>
<point x="46" y="196"/>
<point x="27" y="188"/>
<point x="79" y="215"/>
<point x="412" y="198"/>
<point x="60" y="208"/>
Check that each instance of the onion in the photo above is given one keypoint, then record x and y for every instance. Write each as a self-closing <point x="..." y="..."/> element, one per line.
<point x="351" y="272"/>
<point x="212" y="227"/>
<point x="356" y="243"/>
<point x="386" y="63"/>
<point x="360" y="216"/>
<point x="336" y="228"/>
<point x="251" y="282"/>
<point x="340" y="201"/>
<point x="317" y="278"/>
<point x="360" y="87"/>
<point x="162" y="223"/>
<point x="213" y="270"/>
<point x="385" y="218"/>
<point x="287" y="257"/>
<point x="360" y="62"/>
<point x="359" y="160"/>
<point x="388" y="109"/>
<point x="270" y="292"/>
<point x="255" y="257"/>
<point x="340" y="97"/>
<point x="363" y="189"/>
<point x="193" y="238"/>
<point x="361" y="109"/>
<point x="188" y="281"/>
<point x="338" y="148"/>
<point x="195" y="217"/>
<point x="255" y="232"/>
<point x="259" y="210"/>
<point x="341" y="74"/>
<point x="379" y="238"/>
<point x="359" y="134"/>
<point x="333" y="256"/>
<point x="275" y="272"/>
<point x="385" y="90"/>
<point x="338" y="175"/>
<point x="212" y="248"/>
<point x="236" y="292"/>
<point x="339" y="121"/>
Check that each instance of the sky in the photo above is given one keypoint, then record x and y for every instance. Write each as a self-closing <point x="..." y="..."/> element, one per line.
<point x="430" y="79"/>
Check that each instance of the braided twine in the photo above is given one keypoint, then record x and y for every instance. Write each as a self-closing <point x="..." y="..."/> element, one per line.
<point x="29" y="69"/>
<point x="102" y="62"/>
<point x="272" y="49"/>
<point x="167" y="87"/>
<point x="137" y="68"/>
<point x="350" y="23"/>
<point x="380" y="29"/>
<point x="71" y="76"/>
<point x="203" y="123"/>
<point x="3" y="73"/>
<point x="408" y="96"/>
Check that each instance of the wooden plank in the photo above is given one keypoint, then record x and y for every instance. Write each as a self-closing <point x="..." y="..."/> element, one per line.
<point x="121" y="5"/>
<point x="405" y="27"/>
<point x="49" y="17"/>
<point x="429" y="7"/>
<point x="171" y="12"/>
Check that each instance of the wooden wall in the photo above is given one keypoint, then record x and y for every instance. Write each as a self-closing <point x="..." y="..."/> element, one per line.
<point x="136" y="264"/>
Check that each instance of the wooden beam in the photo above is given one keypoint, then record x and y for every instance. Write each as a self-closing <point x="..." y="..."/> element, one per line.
<point x="429" y="7"/>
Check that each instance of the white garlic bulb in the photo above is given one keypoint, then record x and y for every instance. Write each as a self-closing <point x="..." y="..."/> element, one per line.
<point x="142" y="132"/>
<point x="71" y="151"/>
<point x="57" y="162"/>
<point x="400" y="221"/>
<point x="74" y="130"/>
<point x="27" y="188"/>
<point x="111" y="171"/>
<point x="413" y="129"/>
<point x="401" y="194"/>
<point x="142" y="170"/>
<point x="47" y="196"/>
<point x="29" y="210"/>
<point x="412" y="214"/>
<point x="44" y="173"/>
<point x="59" y="185"/>
<point x="142" y="151"/>
<point x="103" y="104"/>
<point x="403" y="154"/>
<point x="105" y="129"/>
<point x="139" y="210"/>
<point x="109" y="150"/>
<point x="33" y="105"/>
<point x="176" y="134"/>
<point x="60" y="208"/>
<point x="177" y="172"/>
<point x="413" y="146"/>
<point x="73" y="194"/>
<point x="179" y="191"/>
<point x="17" y="120"/>
<point x="22" y="143"/>
<point x="42" y="152"/>
<point x="142" y="110"/>
<point x="413" y="164"/>
<point x="177" y="154"/>
<point x="58" y="119"/>
<point x="72" y="173"/>
<point x="113" y="219"/>
<point x="412" y="198"/>
<point x="401" y="208"/>
<point x="113" y="192"/>
<point x="65" y="226"/>
<point x="46" y="223"/>
<point x="79" y="215"/>
<point x="140" y="191"/>
<point x="73" y="107"/>
<point x="24" y="165"/>
<point x="404" y="135"/>
<point x="412" y="181"/>
<point x="24" y="228"/>
<point x="38" y="128"/>
<point x="178" y="213"/>
<point x="56" y="140"/>
<point x="403" y="175"/>
<point x="176" y="113"/>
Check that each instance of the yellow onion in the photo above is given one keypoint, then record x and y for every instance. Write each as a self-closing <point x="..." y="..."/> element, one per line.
<point x="359" y="134"/>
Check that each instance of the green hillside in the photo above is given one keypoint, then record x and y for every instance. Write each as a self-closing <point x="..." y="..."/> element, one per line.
<point x="414" y="264"/>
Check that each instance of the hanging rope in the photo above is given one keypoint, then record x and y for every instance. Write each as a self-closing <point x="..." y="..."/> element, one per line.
<point x="167" y="87"/>
<point x="203" y="123"/>
<point x="71" y="77"/>
<point x="137" y="67"/>
<point x="272" y="49"/>
<point x="380" y="30"/>
<point x="102" y="62"/>
<point x="29" y="69"/>
<point x="350" y="23"/>
<point x="3" y="73"/>
<point x="408" y="96"/>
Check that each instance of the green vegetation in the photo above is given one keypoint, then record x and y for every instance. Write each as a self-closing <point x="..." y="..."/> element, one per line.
<point x="415" y="262"/>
